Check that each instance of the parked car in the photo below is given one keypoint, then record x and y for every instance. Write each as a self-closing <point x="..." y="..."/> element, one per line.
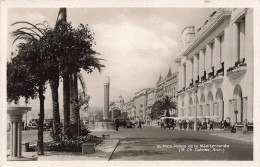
<point x="32" y="125"/>
<point x="130" y="124"/>
<point x="47" y="124"/>
<point x="167" y="122"/>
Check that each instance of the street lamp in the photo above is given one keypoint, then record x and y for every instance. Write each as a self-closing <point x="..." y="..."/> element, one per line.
<point x="236" y="112"/>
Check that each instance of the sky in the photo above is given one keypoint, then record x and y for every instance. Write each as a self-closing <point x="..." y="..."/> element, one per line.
<point x="138" y="44"/>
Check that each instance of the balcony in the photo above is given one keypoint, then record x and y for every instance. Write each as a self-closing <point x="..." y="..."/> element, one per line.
<point x="202" y="77"/>
<point x="237" y="70"/>
<point x="191" y="86"/>
<point x="197" y="80"/>
<point x="219" y="76"/>
<point x="182" y="91"/>
<point x="210" y="74"/>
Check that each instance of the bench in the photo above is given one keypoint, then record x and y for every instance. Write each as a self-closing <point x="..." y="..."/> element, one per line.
<point x="105" y="136"/>
<point x="239" y="127"/>
<point x="25" y="147"/>
<point x="250" y="127"/>
<point x="88" y="148"/>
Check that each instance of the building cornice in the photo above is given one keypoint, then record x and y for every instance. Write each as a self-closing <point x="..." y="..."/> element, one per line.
<point x="206" y="29"/>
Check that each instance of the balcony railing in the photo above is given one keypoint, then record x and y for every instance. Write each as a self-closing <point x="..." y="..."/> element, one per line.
<point x="202" y="75"/>
<point x="238" y="64"/>
<point x="219" y="69"/>
<point x="191" y="83"/>
<point x="197" y="80"/>
<point x="183" y="89"/>
<point x="210" y="72"/>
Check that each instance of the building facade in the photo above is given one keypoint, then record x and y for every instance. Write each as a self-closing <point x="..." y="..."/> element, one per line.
<point x="151" y="94"/>
<point x="168" y="86"/>
<point x="216" y="67"/>
<point x="140" y="104"/>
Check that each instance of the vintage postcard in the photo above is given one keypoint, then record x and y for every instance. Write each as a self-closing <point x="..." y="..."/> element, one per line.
<point x="129" y="82"/>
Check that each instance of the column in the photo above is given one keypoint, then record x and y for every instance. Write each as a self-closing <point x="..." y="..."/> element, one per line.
<point x="201" y="61"/>
<point x="242" y="39"/>
<point x="188" y="72"/>
<point x="221" y="110"/>
<point x="184" y="75"/>
<point x="16" y="116"/>
<point x="195" y="67"/>
<point x="180" y="78"/>
<point x="236" y="42"/>
<point x="208" y="57"/>
<point x="216" y="51"/>
<point x="210" y="109"/>
<point x="245" y="108"/>
<point x="106" y="98"/>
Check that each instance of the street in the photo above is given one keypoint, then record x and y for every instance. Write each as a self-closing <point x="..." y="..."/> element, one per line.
<point x="153" y="143"/>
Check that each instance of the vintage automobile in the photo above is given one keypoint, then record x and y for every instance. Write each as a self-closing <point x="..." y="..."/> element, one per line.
<point x="130" y="124"/>
<point x="167" y="122"/>
<point x="32" y="125"/>
<point x="47" y="124"/>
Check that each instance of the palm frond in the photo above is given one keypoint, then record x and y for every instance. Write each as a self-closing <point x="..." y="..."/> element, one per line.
<point x="20" y="32"/>
<point x="24" y="22"/>
<point x="83" y="84"/>
<point x="20" y="37"/>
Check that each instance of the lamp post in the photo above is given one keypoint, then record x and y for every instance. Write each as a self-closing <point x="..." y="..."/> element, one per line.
<point x="195" y="122"/>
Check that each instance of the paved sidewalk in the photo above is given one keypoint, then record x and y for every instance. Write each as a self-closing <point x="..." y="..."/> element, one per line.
<point x="103" y="153"/>
<point x="247" y="137"/>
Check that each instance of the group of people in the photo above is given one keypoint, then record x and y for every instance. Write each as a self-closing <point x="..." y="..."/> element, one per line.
<point x="117" y="124"/>
<point x="183" y="124"/>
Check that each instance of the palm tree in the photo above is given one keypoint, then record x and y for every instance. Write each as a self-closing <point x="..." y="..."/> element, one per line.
<point x="167" y="104"/>
<point x="82" y="57"/>
<point x="40" y="32"/>
<point x="30" y="55"/>
<point x="27" y="77"/>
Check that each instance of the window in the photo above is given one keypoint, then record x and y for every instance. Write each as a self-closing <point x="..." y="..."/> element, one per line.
<point x="211" y="54"/>
<point x="221" y="40"/>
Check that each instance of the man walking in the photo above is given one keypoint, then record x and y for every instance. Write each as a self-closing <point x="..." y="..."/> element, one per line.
<point x="211" y="125"/>
<point x="117" y="124"/>
<point x="140" y="124"/>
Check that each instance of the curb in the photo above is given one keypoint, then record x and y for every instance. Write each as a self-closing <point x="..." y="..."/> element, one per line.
<point x="234" y="138"/>
<point x="113" y="151"/>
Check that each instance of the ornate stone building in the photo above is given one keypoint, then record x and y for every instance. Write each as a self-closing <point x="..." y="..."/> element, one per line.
<point x="216" y="67"/>
<point x="168" y="86"/>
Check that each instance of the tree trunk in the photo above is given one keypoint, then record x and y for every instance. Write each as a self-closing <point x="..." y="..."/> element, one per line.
<point x="54" y="84"/>
<point x="74" y="112"/>
<point x="66" y="106"/>
<point x="40" y="123"/>
<point x="167" y="112"/>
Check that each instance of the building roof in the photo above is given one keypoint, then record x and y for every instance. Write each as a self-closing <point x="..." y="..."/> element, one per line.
<point x="169" y="73"/>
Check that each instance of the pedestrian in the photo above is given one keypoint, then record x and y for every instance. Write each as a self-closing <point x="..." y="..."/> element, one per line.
<point x="200" y="126"/>
<point x="158" y="123"/>
<point x="180" y="124"/>
<point x="245" y="127"/>
<point x="162" y="124"/>
<point x="117" y="124"/>
<point x="140" y="124"/>
<point x="225" y="125"/>
<point x="124" y="123"/>
<point x="184" y="124"/>
<point x="211" y="125"/>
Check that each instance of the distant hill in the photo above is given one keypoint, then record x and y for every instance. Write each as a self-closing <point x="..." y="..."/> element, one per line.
<point x="33" y="114"/>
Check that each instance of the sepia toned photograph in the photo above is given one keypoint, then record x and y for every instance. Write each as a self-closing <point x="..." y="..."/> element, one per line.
<point x="129" y="84"/>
